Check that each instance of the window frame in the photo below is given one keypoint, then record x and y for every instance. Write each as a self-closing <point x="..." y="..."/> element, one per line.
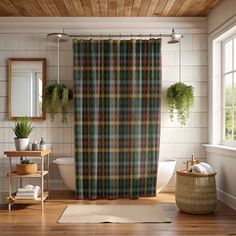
<point x="232" y="37"/>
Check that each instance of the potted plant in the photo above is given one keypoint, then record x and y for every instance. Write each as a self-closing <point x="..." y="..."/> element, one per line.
<point x="22" y="130"/>
<point x="57" y="96"/>
<point x="180" y="98"/>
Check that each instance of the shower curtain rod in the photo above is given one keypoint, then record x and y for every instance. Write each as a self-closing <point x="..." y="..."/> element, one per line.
<point x="120" y="35"/>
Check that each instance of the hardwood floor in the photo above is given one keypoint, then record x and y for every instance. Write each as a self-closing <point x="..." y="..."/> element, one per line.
<point x="29" y="221"/>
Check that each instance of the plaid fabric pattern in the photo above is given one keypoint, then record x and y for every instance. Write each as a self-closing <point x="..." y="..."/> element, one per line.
<point x="117" y="117"/>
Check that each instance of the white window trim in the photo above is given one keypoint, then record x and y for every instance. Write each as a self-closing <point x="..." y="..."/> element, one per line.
<point x="215" y="81"/>
<point x="232" y="36"/>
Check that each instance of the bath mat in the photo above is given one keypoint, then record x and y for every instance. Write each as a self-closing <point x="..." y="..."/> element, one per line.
<point x="93" y="214"/>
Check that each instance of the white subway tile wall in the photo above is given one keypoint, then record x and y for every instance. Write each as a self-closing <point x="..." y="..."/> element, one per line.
<point x="176" y="142"/>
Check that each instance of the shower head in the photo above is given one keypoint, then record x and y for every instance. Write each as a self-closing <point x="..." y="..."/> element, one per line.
<point x="58" y="36"/>
<point x="175" y="38"/>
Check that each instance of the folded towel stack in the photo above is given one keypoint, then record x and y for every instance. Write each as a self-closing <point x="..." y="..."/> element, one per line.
<point x="28" y="192"/>
<point x="201" y="168"/>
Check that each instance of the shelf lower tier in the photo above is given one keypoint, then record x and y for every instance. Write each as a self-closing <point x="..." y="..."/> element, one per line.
<point x="35" y="175"/>
<point x="28" y="201"/>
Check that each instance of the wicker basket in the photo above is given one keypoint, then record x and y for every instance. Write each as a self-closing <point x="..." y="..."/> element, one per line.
<point x="26" y="169"/>
<point x="195" y="192"/>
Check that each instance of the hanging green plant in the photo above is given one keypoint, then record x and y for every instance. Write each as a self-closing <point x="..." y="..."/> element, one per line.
<point x="57" y="96"/>
<point x="180" y="98"/>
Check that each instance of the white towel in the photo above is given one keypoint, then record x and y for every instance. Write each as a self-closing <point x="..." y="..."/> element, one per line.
<point x="28" y="190"/>
<point x="201" y="168"/>
<point x="24" y="193"/>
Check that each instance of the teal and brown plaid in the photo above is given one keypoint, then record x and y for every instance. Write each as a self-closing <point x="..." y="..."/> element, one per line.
<point x="117" y="117"/>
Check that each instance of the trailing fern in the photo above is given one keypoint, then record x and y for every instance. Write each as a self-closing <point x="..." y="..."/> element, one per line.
<point x="56" y="96"/>
<point x="180" y="98"/>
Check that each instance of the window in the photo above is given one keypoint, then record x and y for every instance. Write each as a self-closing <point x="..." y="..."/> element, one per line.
<point x="229" y="90"/>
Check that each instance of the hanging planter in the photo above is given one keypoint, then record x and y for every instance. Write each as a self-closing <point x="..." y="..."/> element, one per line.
<point x="56" y="98"/>
<point x="180" y="98"/>
<point x="57" y="95"/>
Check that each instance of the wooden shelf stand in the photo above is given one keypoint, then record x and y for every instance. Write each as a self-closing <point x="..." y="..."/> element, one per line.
<point x="39" y="174"/>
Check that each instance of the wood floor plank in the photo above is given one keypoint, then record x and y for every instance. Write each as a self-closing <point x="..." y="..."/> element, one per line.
<point x="28" y="220"/>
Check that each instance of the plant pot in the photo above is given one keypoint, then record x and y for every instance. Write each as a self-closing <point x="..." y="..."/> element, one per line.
<point x="21" y="144"/>
<point x="26" y="169"/>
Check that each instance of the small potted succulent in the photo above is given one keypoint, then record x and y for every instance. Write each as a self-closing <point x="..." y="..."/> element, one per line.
<point x="23" y="128"/>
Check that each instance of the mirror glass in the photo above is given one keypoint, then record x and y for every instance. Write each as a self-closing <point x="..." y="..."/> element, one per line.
<point x="26" y="84"/>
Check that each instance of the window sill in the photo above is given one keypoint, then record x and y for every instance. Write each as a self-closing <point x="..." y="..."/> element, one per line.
<point x="221" y="149"/>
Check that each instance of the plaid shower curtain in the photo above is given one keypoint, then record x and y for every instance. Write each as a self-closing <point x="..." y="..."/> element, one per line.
<point x="117" y="117"/>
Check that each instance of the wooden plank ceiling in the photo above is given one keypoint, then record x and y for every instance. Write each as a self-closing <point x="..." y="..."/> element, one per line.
<point x="106" y="7"/>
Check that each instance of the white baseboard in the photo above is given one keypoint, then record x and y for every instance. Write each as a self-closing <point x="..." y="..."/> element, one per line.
<point x="226" y="198"/>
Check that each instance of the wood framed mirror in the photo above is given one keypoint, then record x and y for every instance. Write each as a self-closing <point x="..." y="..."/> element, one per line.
<point x="26" y="84"/>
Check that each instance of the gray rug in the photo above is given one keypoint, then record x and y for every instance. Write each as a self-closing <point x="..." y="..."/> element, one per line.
<point x="93" y="214"/>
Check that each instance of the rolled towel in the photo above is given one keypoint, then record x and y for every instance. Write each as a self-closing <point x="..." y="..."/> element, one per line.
<point x="207" y="167"/>
<point x="201" y="168"/>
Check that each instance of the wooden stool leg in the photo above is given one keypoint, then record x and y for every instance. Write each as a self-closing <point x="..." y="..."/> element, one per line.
<point x="42" y="182"/>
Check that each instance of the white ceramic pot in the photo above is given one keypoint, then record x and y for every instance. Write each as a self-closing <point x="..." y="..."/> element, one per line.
<point x="22" y="144"/>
